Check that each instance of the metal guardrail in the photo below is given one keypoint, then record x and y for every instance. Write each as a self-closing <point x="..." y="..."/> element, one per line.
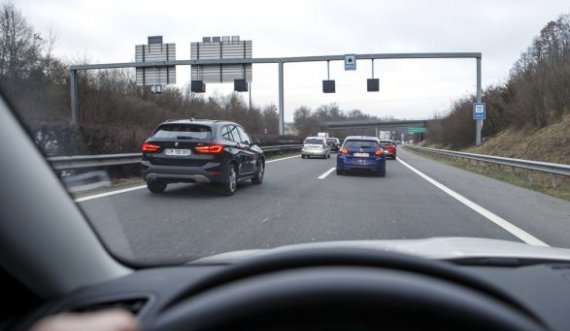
<point x="546" y="167"/>
<point x="107" y="160"/>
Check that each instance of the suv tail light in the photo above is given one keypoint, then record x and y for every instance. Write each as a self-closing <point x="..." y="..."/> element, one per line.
<point x="210" y="149"/>
<point x="378" y="152"/>
<point x="150" y="148"/>
<point x="343" y="151"/>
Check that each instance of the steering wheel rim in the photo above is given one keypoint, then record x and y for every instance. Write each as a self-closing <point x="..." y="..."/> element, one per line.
<point x="369" y="287"/>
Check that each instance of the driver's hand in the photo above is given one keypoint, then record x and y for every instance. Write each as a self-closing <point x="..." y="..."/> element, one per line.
<point x="107" y="320"/>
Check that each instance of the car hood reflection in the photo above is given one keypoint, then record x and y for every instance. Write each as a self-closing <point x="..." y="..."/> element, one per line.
<point x="442" y="248"/>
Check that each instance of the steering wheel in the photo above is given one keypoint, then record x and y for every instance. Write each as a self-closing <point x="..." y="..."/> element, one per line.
<point x="344" y="289"/>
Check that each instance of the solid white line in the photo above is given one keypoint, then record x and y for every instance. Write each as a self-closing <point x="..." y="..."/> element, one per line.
<point x="513" y="229"/>
<point x="323" y="176"/>
<point x="106" y="194"/>
<point x="284" y="158"/>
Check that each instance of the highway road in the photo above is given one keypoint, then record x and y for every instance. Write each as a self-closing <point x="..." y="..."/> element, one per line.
<point x="305" y="201"/>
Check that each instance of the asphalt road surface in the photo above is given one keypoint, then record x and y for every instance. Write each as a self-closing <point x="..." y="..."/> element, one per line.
<point x="304" y="200"/>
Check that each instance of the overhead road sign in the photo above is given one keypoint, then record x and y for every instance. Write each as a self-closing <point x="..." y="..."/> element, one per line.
<point x="417" y="130"/>
<point x="373" y="84"/>
<point x="350" y="62"/>
<point x="329" y="86"/>
<point x="217" y="50"/>
<point x="160" y="54"/>
<point x="197" y="86"/>
<point x="240" y="85"/>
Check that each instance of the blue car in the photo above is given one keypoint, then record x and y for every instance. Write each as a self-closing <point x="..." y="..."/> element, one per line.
<point x="361" y="153"/>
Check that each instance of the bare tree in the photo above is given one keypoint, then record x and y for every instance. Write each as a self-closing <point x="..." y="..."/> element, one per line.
<point x="19" y="45"/>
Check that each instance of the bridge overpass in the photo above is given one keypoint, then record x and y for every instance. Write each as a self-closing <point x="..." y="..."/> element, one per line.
<point x="372" y="127"/>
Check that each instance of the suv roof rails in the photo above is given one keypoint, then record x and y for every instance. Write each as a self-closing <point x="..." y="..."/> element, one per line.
<point x="192" y="119"/>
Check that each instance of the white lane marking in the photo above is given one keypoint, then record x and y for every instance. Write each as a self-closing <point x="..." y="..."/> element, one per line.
<point x="323" y="176"/>
<point x="106" y="194"/>
<point x="513" y="229"/>
<point x="281" y="159"/>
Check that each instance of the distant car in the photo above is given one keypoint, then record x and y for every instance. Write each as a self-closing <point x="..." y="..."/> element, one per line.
<point x="389" y="147"/>
<point x="361" y="153"/>
<point x="334" y="144"/>
<point x="315" y="146"/>
<point x="201" y="151"/>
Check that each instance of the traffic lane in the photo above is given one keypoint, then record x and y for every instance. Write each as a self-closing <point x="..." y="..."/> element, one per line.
<point x="541" y="215"/>
<point x="399" y="206"/>
<point x="291" y="206"/>
<point x="191" y="220"/>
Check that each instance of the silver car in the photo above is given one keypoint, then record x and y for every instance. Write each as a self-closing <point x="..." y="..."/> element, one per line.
<point x="315" y="146"/>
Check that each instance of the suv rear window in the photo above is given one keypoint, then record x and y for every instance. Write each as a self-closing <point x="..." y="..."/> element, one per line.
<point x="313" y="141"/>
<point x="357" y="144"/>
<point x="183" y="131"/>
<point x="332" y="141"/>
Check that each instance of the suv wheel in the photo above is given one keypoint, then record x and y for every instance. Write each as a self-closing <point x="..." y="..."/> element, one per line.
<point x="258" y="178"/>
<point x="157" y="186"/>
<point x="230" y="181"/>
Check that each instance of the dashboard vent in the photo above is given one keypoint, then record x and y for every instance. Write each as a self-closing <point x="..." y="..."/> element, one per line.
<point x="132" y="305"/>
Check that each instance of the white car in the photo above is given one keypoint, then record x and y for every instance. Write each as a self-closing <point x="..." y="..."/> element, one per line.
<point x="316" y="146"/>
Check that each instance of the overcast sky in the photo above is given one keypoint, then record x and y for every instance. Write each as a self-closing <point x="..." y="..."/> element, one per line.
<point x="105" y="31"/>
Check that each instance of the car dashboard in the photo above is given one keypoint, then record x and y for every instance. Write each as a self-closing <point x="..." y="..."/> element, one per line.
<point x="543" y="288"/>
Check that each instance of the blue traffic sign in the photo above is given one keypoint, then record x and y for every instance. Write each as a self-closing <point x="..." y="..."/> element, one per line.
<point x="350" y="62"/>
<point x="479" y="111"/>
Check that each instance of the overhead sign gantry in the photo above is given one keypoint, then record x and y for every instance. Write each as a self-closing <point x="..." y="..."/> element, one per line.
<point x="243" y="62"/>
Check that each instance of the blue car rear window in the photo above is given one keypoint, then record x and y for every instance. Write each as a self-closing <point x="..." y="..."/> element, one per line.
<point x="358" y="144"/>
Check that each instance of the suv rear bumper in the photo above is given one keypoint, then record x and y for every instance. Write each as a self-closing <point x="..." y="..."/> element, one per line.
<point x="209" y="173"/>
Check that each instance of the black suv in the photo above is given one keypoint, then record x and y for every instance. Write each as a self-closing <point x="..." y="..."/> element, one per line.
<point x="201" y="151"/>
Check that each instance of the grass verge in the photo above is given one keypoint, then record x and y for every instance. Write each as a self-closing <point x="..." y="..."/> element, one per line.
<point x="532" y="180"/>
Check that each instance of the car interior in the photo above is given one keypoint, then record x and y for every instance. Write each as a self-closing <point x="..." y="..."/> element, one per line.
<point x="53" y="262"/>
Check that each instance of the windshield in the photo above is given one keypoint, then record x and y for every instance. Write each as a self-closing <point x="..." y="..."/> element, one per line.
<point x="180" y="130"/>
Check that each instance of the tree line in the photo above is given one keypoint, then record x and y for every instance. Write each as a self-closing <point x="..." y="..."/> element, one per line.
<point x="308" y="122"/>
<point x="116" y="115"/>
<point x="536" y="94"/>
